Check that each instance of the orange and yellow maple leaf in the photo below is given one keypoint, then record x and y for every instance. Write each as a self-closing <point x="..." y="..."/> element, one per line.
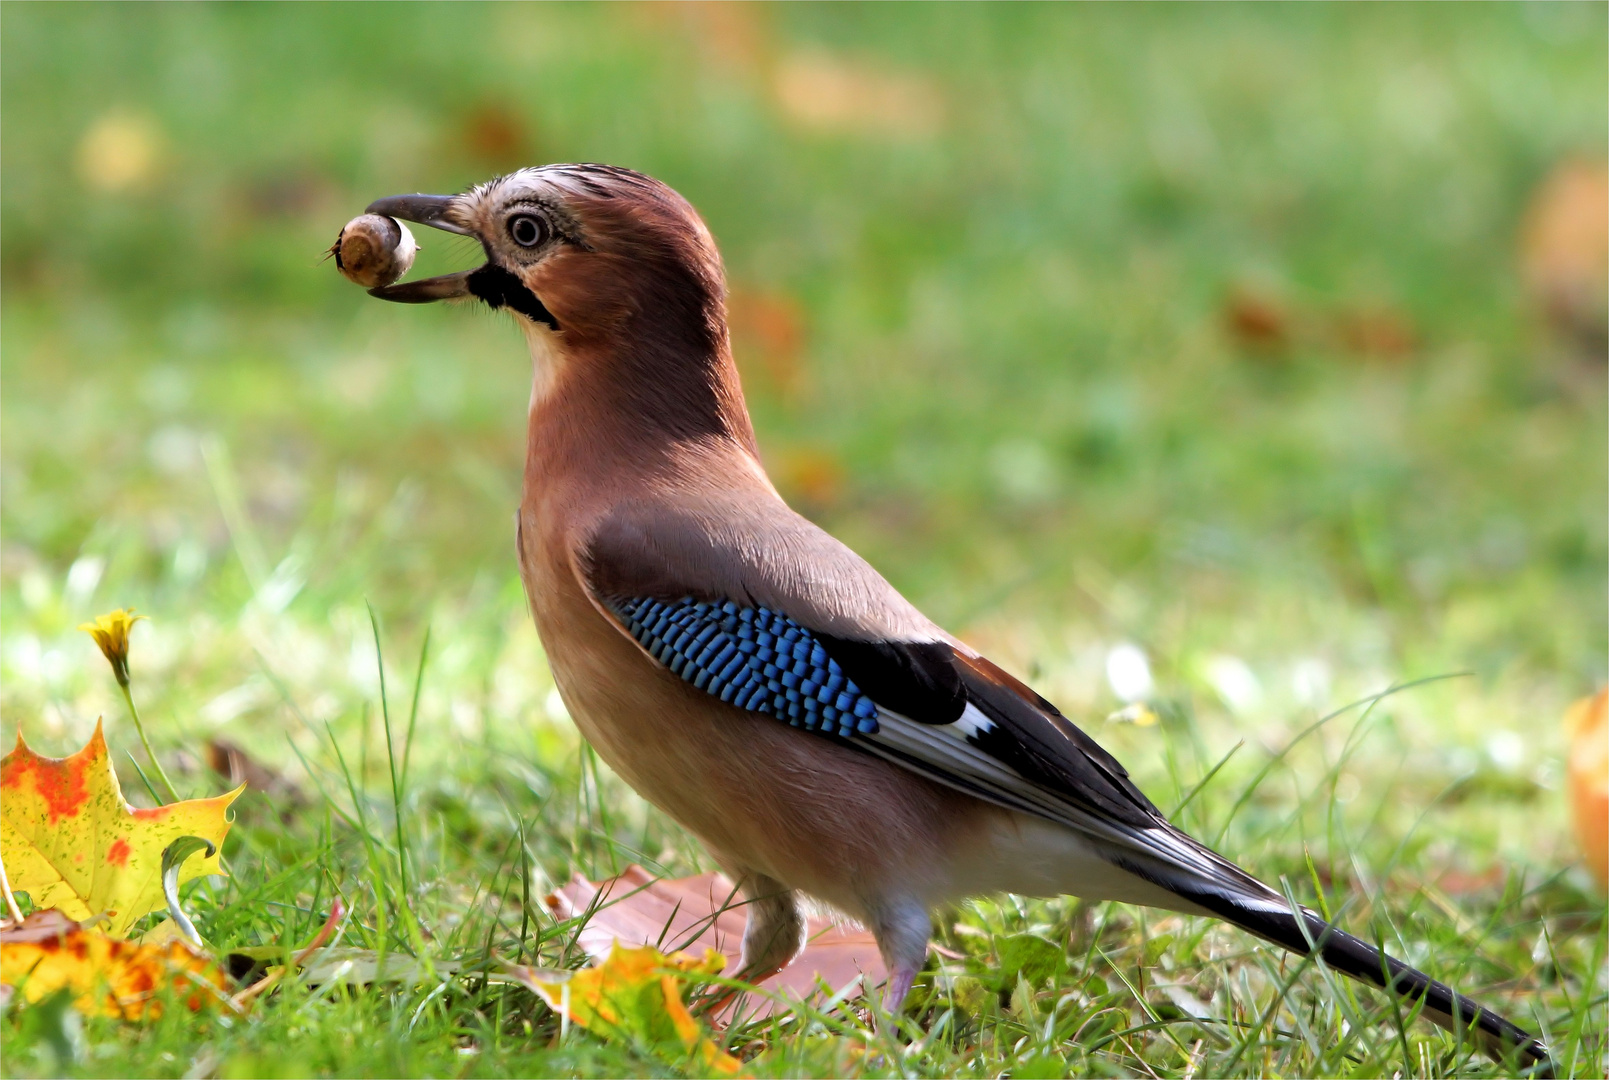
<point x="71" y="842"/>
<point x="107" y="977"/>
<point x="1587" y="724"/>
<point x="634" y="994"/>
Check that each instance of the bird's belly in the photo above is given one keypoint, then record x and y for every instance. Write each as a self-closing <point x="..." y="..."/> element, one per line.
<point x="1035" y="857"/>
<point x="816" y="816"/>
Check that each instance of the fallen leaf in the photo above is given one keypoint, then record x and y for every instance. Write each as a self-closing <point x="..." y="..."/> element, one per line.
<point x="706" y="912"/>
<point x="836" y="93"/>
<point x="732" y="39"/>
<point x="769" y="326"/>
<point x="1185" y="1001"/>
<point x="238" y="767"/>
<point x="634" y="994"/>
<point x="1564" y="250"/>
<point x="812" y="475"/>
<point x="163" y="932"/>
<point x="107" y="977"/>
<point x="70" y="841"/>
<point x="1030" y="956"/>
<point x="251" y="971"/>
<point x="1377" y="332"/>
<point x="495" y="135"/>
<point x="1257" y="322"/>
<point x="1456" y="882"/>
<point x="1587" y="724"/>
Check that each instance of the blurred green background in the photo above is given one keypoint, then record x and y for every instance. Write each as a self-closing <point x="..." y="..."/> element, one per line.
<point x="1233" y="332"/>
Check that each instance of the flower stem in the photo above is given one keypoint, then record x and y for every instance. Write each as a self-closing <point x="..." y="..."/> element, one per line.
<point x="161" y="773"/>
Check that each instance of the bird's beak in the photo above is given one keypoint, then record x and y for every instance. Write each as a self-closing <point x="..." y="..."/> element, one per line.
<point x="421" y="210"/>
<point x="428" y="210"/>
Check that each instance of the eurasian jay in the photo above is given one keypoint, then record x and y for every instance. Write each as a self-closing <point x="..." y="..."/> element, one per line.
<point x="754" y="678"/>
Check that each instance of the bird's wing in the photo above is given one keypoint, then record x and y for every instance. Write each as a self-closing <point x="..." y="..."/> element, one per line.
<point x="761" y="609"/>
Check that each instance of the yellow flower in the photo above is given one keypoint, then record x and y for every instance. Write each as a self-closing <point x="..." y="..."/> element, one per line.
<point x="110" y="632"/>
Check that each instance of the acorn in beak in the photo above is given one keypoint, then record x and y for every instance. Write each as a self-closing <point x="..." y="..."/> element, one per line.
<point x="428" y="210"/>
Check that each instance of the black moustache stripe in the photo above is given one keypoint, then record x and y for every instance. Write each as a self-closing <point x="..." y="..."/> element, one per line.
<point x="499" y="288"/>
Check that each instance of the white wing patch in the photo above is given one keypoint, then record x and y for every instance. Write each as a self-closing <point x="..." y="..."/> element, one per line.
<point x="973" y="722"/>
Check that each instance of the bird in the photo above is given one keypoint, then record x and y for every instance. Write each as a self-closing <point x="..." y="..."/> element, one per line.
<point x="755" y="679"/>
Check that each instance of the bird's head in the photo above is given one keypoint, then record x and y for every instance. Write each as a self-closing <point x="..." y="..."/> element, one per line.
<point x="614" y="277"/>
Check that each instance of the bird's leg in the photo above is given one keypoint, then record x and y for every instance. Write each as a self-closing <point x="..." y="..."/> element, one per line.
<point x="775" y="933"/>
<point x="902" y="928"/>
<point x="773" y="936"/>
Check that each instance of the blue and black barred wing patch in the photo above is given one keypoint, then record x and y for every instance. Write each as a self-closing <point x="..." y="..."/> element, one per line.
<point x="754" y="658"/>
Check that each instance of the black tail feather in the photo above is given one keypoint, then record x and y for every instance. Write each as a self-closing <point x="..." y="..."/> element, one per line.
<point x="1501" y="1039"/>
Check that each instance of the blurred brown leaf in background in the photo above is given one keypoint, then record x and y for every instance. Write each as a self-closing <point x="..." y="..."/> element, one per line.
<point x="1376" y="332"/>
<point x="1587" y="725"/>
<point x="817" y="89"/>
<point x="768" y="327"/>
<point x="1257" y="322"/>
<point x="812" y="476"/>
<point x="733" y="35"/>
<point x="237" y="767"/>
<point x="1564" y="253"/>
<point x="834" y="93"/>
<point x="1269" y="327"/>
<point x="497" y="138"/>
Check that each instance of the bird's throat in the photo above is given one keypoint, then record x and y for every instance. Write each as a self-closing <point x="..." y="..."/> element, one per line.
<point x="498" y="288"/>
<point x="546" y="354"/>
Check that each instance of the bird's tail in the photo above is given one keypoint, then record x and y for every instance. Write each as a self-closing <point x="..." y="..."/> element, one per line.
<point x="1501" y="1039"/>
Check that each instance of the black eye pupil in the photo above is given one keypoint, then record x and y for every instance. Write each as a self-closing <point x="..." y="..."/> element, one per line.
<point x="525" y="230"/>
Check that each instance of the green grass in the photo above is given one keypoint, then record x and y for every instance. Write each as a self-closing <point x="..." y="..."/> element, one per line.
<point x="983" y="337"/>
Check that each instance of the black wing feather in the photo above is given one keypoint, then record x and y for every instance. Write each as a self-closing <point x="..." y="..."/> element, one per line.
<point x="1034" y="738"/>
<point x="930" y="682"/>
<point x="917" y="679"/>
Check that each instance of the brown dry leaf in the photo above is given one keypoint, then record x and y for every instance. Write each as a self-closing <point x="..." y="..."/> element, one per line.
<point x="812" y="475"/>
<point x="1377" y="332"/>
<point x="1564" y="250"/>
<point x="496" y="136"/>
<point x="732" y="38"/>
<point x="107" y="977"/>
<point x="1587" y="724"/>
<point x="706" y="912"/>
<point x="70" y="841"/>
<point x="769" y="326"/>
<point x="238" y="767"/>
<point x="836" y="93"/>
<point x="1257" y="322"/>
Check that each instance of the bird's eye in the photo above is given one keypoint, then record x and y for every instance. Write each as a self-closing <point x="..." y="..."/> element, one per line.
<point x="526" y="230"/>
